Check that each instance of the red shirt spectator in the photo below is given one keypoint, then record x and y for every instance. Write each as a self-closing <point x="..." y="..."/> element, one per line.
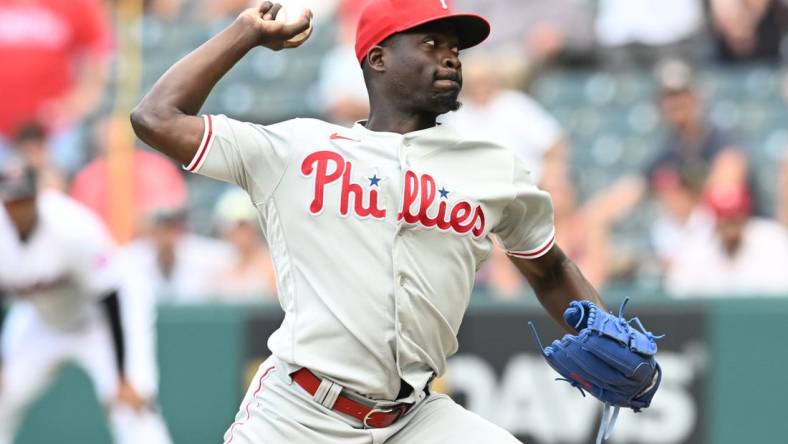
<point x="41" y="42"/>
<point x="157" y="184"/>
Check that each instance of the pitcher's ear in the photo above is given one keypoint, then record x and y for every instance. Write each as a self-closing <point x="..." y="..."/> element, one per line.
<point x="375" y="58"/>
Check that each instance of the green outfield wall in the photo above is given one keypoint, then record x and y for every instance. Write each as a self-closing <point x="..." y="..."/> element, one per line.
<point x="724" y="363"/>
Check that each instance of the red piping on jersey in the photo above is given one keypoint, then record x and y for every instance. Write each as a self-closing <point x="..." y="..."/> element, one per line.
<point x="204" y="147"/>
<point x="248" y="403"/>
<point x="533" y="254"/>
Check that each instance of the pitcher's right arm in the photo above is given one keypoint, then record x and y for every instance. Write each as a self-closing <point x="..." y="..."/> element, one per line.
<point x="166" y="118"/>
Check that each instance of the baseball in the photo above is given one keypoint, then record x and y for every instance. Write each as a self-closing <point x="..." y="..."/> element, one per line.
<point x="291" y="14"/>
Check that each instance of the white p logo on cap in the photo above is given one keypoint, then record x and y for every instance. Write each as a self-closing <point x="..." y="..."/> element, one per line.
<point x="443" y="3"/>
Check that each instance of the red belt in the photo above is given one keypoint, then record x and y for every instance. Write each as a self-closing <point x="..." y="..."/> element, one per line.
<point x="371" y="417"/>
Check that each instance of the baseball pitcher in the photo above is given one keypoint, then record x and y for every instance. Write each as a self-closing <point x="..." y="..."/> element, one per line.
<point x="376" y="231"/>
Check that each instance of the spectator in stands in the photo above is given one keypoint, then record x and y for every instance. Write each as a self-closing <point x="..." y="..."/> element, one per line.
<point x="182" y="266"/>
<point x="508" y="117"/>
<point x="155" y="181"/>
<point x="249" y="276"/>
<point x="782" y="191"/>
<point x="641" y="32"/>
<point x="747" y="30"/>
<point x="54" y="56"/>
<point x="696" y="151"/>
<point x="343" y="94"/>
<point x="684" y="219"/>
<point x="532" y="33"/>
<point x="583" y="232"/>
<point x="213" y="9"/>
<point x="747" y="257"/>
<point x="31" y="143"/>
<point x="163" y="9"/>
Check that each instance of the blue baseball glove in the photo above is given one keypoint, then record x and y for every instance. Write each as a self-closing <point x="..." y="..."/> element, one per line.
<point x="607" y="358"/>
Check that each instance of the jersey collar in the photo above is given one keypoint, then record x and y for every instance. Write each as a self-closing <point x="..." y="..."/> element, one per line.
<point x="427" y="139"/>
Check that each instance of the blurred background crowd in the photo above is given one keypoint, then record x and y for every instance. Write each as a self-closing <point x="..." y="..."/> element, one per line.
<point x="660" y="128"/>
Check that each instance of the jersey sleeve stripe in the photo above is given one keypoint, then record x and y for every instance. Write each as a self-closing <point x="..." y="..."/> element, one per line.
<point x="205" y="143"/>
<point x="536" y="252"/>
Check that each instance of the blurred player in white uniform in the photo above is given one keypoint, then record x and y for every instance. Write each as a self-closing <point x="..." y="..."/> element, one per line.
<point x="65" y="290"/>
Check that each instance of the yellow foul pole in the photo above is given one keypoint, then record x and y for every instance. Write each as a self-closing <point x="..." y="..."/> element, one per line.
<point x="120" y="153"/>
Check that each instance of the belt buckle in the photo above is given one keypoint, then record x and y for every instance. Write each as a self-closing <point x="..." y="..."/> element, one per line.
<point x="373" y="411"/>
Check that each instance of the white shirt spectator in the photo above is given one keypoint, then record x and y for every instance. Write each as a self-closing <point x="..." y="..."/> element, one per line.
<point x="249" y="277"/>
<point x="621" y="22"/>
<point x="198" y="261"/>
<point x="759" y="267"/>
<point x="341" y="85"/>
<point x="511" y="119"/>
<point x="668" y="236"/>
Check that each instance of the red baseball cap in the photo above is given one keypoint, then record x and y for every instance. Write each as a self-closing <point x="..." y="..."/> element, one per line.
<point x="729" y="200"/>
<point x="381" y="19"/>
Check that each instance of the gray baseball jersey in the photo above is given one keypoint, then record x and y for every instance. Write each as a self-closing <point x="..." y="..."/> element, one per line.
<point x="376" y="238"/>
